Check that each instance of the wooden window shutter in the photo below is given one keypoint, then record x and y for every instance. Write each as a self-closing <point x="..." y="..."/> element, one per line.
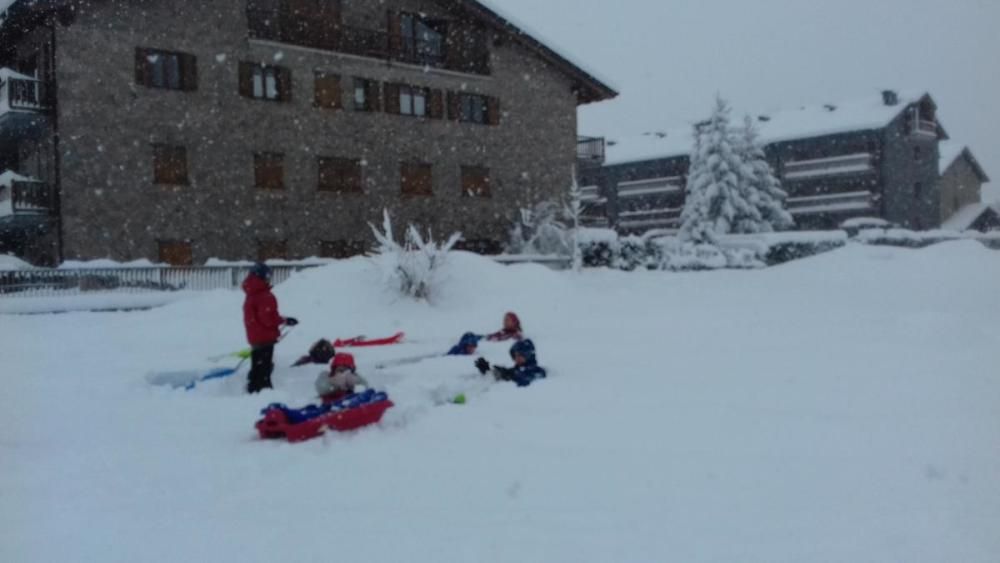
<point x="394" y="25"/>
<point x="189" y="72"/>
<point x="417" y="179"/>
<point x="392" y="98"/>
<point x="373" y="95"/>
<point x="436" y="104"/>
<point x="246" y="79"/>
<point x="142" y="74"/>
<point x="454" y="106"/>
<point x="176" y="253"/>
<point x="269" y="171"/>
<point x="476" y="181"/>
<point x="272" y="250"/>
<point x="170" y="165"/>
<point x="284" y="84"/>
<point x="352" y="176"/>
<point x="493" y="110"/>
<point x="329" y="93"/>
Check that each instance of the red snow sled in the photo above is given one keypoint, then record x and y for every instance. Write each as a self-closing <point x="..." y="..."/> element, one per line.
<point x="279" y="422"/>
<point x="361" y="341"/>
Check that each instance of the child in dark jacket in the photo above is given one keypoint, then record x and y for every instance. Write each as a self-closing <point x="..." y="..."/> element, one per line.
<point x="466" y="346"/>
<point x="263" y="326"/>
<point x="525" y="371"/>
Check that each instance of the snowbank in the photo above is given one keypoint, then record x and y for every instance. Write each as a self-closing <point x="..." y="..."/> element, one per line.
<point x="842" y="408"/>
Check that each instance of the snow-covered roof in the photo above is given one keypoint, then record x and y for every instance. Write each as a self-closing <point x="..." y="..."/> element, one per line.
<point x="6" y="73"/>
<point x="518" y="25"/>
<point x="8" y="262"/>
<point x="8" y="177"/>
<point x="964" y="218"/>
<point x="863" y="114"/>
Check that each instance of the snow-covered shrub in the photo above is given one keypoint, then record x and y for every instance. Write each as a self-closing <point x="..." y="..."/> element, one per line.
<point x="905" y="237"/>
<point x="541" y="231"/>
<point x="412" y="267"/>
<point x="635" y="253"/>
<point x="676" y="254"/>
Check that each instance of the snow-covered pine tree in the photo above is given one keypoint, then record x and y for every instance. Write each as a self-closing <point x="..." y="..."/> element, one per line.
<point x="761" y="187"/>
<point x="715" y="202"/>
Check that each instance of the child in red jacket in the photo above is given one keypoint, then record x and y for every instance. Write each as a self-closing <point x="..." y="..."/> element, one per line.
<point x="263" y="324"/>
<point x="511" y="329"/>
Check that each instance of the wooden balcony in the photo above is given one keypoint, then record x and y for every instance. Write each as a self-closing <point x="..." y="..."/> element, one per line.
<point x="282" y="27"/>
<point x="590" y="151"/>
<point x="27" y="199"/>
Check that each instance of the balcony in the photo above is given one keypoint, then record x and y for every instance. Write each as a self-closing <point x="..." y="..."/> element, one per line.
<point x="590" y="151"/>
<point x="26" y="200"/>
<point x="281" y="27"/>
<point x="24" y="106"/>
<point x="925" y="127"/>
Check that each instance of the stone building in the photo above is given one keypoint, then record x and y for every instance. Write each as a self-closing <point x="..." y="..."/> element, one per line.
<point x="874" y="157"/>
<point x="254" y="129"/>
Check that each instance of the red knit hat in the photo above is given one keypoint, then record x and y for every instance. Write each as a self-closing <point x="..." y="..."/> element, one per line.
<point x="343" y="361"/>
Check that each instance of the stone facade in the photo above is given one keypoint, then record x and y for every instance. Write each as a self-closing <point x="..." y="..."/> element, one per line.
<point x="108" y="125"/>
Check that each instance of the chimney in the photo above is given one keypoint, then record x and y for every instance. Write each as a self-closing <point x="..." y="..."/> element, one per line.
<point x="890" y="97"/>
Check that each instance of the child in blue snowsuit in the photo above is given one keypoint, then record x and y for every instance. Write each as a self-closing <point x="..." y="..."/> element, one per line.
<point x="525" y="371"/>
<point x="466" y="346"/>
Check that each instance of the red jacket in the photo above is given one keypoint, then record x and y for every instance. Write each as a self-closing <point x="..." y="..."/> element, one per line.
<point x="260" y="313"/>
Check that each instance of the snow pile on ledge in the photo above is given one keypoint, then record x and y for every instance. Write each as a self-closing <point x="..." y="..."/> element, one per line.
<point x="11" y="263"/>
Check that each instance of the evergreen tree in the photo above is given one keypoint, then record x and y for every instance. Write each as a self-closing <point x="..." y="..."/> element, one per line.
<point x="716" y="200"/>
<point x="760" y="187"/>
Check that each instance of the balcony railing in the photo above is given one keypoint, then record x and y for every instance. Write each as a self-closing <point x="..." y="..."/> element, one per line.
<point x="590" y="150"/>
<point x="275" y="25"/>
<point x="32" y="198"/>
<point x="925" y="127"/>
<point x="22" y="94"/>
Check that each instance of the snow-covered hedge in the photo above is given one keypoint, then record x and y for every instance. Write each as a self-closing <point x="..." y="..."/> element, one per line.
<point x="666" y="252"/>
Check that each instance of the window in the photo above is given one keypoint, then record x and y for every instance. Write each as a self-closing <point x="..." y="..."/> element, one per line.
<point x="269" y="171"/>
<point x="176" y="253"/>
<point x="417" y="178"/>
<point x="366" y="95"/>
<point x="422" y="38"/>
<point x="917" y="154"/>
<point x="272" y="250"/>
<point x="263" y="82"/>
<point x="170" y="165"/>
<point x="474" y="108"/>
<point x="403" y="99"/>
<point x="475" y="181"/>
<point x="918" y="190"/>
<point x="339" y="175"/>
<point x="328" y="92"/>
<point x="342" y="248"/>
<point x="166" y="70"/>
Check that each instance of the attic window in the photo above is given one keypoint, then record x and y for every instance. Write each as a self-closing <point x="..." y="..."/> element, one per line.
<point x="830" y="107"/>
<point x="764" y="118"/>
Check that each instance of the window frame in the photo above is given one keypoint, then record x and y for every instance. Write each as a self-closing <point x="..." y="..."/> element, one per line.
<point x="185" y="77"/>
<point x="367" y="87"/>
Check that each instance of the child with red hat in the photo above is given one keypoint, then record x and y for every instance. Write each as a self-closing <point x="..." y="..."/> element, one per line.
<point x="340" y="381"/>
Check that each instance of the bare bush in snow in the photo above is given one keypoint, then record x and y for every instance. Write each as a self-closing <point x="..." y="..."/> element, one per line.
<point x="411" y="268"/>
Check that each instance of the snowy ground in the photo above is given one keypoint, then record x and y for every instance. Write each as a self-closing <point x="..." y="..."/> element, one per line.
<point x="842" y="408"/>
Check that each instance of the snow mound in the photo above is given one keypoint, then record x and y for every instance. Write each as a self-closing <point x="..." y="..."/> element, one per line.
<point x="802" y="413"/>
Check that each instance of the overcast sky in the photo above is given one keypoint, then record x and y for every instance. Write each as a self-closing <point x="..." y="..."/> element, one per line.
<point x="669" y="57"/>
